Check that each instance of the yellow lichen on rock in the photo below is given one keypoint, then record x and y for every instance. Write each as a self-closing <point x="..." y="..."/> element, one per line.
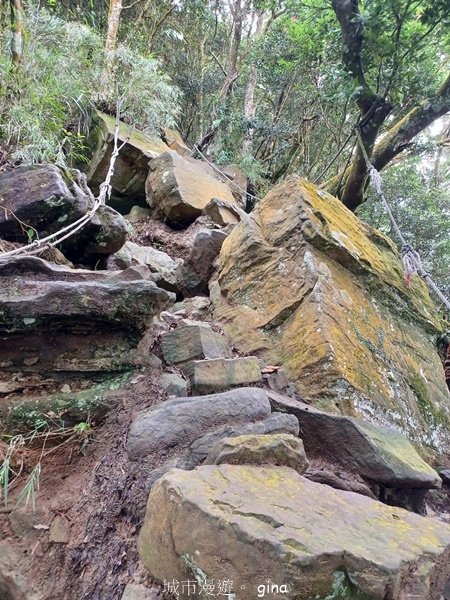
<point x="313" y="288"/>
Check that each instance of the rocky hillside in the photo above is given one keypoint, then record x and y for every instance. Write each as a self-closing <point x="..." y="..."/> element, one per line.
<point x="196" y="401"/>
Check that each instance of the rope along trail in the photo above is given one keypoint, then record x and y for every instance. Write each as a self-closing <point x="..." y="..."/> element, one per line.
<point x="411" y="259"/>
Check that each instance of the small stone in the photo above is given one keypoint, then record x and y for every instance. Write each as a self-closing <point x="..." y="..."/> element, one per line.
<point x="59" y="530"/>
<point x="120" y="260"/>
<point x="138" y="213"/>
<point x="196" y="307"/>
<point x="274" y="423"/>
<point x="191" y="342"/>
<point x="173" y="384"/>
<point x="156" y="260"/>
<point x="24" y="520"/>
<point x="137" y="591"/>
<point x="218" y="374"/>
<point x="31" y="361"/>
<point x="66" y="389"/>
<point x="277" y="380"/>
<point x="445" y="475"/>
<point x="221" y="212"/>
<point x="282" y="450"/>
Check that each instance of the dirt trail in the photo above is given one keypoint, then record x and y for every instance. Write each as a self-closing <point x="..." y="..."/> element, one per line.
<point x="100" y="501"/>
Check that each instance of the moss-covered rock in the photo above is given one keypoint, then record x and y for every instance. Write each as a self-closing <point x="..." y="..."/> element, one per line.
<point x="257" y="526"/>
<point x="131" y="167"/>
<point x="57" y="410"/>
<point x="312" y="287"/>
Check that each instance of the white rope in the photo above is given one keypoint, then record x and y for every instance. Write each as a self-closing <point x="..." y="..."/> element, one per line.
<point x="412" y="263"/>
<point x="196" y="149"/>
<point x="62" y="234"/>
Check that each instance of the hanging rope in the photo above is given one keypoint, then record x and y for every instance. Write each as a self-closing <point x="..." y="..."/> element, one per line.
<point x="52" y="240"/>
<point x="412" y="263"/>
<point x="230" y="180"/>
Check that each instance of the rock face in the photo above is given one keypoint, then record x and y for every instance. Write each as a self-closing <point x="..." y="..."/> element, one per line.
<point x="71" y="319"/>
<point x="175" y="424"/>
<point x="315" y="289"/>
<point x="131" y="167"/>
<point x="199" y="266"/>
<point x="250" y="524"/>
<point x="280" y="449"/>
<point x="181" y="188"/>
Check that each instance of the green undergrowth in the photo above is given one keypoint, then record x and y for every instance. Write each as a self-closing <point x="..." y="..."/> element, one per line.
<point x="47" y="424"/>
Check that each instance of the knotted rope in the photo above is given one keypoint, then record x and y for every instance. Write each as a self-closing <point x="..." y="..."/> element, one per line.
<point x="412" y="263"/>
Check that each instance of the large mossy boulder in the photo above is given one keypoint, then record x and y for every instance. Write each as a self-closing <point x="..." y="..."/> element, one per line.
<point x="309" y="285"/>
<point x="131" y="166"/>
<point x="376" y="453"/>
<point x="255" y="527"/>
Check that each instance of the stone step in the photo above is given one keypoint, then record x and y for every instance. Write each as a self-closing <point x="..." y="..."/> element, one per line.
<point x="246" y="524"/>
<point x="193" y="342"/>
<point x="218" y="374"/>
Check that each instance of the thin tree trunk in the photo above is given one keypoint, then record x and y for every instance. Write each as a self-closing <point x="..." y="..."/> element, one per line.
<point x="115" y="10"/>
<point x="17" y="29"/>
<point x="249" y="99"/>
<point x="201" y="94"/>
<point x="239" y="9"/>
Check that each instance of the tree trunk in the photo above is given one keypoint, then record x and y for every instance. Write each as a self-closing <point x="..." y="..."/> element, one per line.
<point x="373" y="108"/>
<point x="394" y="141"/>
<point x="115" y="10"/>
<point x="239" y="9"/>
<point x="17" y="29"/>
<point x="249" y="99"/>
<point x="350" y="185"/>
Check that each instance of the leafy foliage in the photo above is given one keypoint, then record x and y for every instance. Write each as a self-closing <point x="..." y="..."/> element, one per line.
<point x="46" y="104"/>
<point x="422" y="211"/>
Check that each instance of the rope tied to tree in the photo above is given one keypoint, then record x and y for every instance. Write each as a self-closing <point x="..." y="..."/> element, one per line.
<point x="412" y="263"/>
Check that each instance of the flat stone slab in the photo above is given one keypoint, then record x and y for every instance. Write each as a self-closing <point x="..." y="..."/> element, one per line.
<point x="219" y="374"/>
<point x="193" y="342"/>
<point x="175" y="424"/>
<point x="55" y="319"/>
<point x="376" y="453"/>
<point x="281" y="449"/>
<point x="256" y="526"/>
